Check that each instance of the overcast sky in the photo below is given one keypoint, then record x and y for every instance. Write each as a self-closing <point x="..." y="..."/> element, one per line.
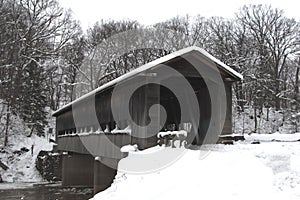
<point x="152" y="11"/>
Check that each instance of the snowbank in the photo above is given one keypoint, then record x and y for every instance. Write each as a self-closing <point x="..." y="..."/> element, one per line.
<point x="242" y="171"/>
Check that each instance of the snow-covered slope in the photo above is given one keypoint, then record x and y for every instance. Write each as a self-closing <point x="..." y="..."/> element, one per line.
<point x="282" y="121"/>
<point x="22" y="164"/>
<point x="270" y="170"/>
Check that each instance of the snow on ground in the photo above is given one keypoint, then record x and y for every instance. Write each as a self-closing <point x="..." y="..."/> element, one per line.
<point x="269" y="170"/>
<point x="22" y="165"/>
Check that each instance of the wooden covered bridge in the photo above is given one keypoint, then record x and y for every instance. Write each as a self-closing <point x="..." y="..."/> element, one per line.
<point x="87" y="127"/>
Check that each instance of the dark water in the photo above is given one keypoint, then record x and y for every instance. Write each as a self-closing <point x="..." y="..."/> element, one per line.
<point x="45" y="192"/>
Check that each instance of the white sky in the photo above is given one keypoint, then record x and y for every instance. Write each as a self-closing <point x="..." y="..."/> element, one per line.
<point x="153" y="11"/>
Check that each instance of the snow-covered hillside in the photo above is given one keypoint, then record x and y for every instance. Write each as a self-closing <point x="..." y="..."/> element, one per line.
<point x="268" y="121"/>
<point x="17" y="154"/>
<point x="21" y="163"/>
<point x="270" y="170"/>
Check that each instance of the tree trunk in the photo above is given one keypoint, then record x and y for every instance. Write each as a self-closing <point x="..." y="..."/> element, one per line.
<point x="296" y="97"/>
<point x="255" y="120"/>
<point x="277" y="98"/>
<point x="31" y="131"/>
<point x="6" y="126"/>
<point x="239" y="96"/>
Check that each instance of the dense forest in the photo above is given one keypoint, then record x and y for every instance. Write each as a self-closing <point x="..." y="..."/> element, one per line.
<point x="47" y="60"/>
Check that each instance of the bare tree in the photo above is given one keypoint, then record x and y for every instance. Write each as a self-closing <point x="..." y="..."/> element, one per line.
<point x="32" y="32"/>
<point x="274" y="39"/>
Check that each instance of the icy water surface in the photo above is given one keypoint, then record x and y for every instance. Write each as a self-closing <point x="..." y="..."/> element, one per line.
<point x="42" y="192"/>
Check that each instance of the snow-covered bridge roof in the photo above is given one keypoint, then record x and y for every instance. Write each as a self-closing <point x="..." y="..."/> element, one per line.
<point x="152" y="64"/>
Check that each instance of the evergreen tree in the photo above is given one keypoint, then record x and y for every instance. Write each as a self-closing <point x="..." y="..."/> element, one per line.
<point x="34" y="100"/>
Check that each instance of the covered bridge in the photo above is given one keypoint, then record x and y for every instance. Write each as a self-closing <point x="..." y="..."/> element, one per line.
<point x="96" y="125"/>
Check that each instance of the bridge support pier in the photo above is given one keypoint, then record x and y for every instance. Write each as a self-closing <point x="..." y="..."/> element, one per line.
<point x="104" y="174"/>
<point x="77" y="170"/>
<point x="85" y="170"/>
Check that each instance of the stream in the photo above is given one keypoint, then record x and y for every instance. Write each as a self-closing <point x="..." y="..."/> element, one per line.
<point x="31" y="191"/>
